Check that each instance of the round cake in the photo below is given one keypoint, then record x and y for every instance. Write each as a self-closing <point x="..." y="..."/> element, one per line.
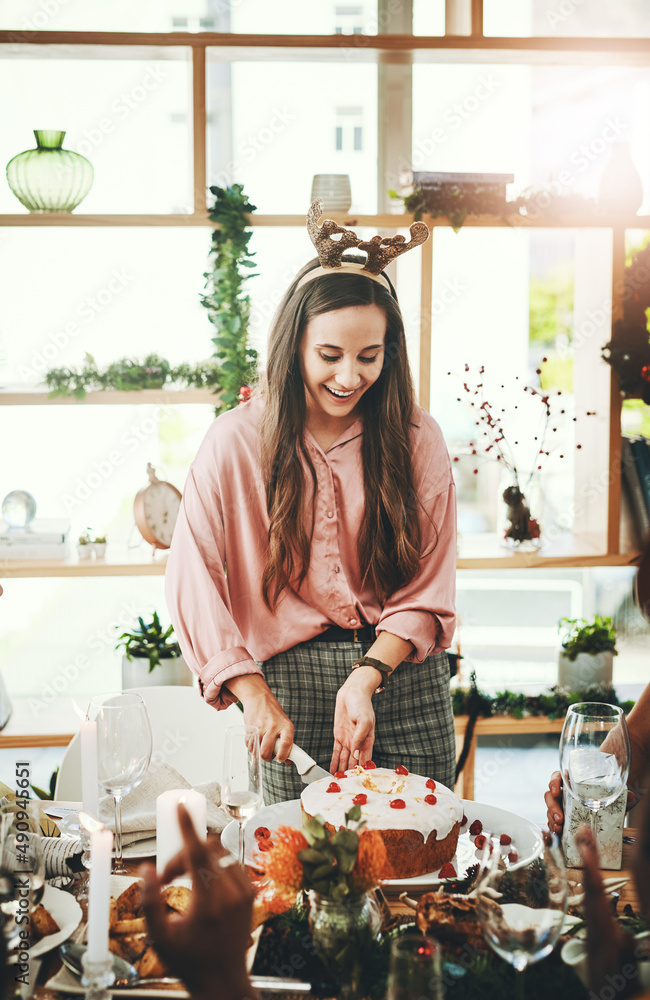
<point x="419" y="819"/>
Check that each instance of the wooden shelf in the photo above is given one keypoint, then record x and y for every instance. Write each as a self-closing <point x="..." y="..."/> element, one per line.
<point x="14" y="396"/>
<point x="385" y="48"/>
<point x="568" y="551"/>
<point x="37" y="722"/>
<point x="119" y="561"/>
<point x="380" y="221"/>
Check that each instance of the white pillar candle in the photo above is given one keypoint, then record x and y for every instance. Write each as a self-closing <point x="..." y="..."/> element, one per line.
<point x="89" y="778"/>
<point x="169" y="840"/>
<point x="99" y="894"/>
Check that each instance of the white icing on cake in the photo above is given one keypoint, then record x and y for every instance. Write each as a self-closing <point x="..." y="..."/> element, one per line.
<point x="381" y="785"/>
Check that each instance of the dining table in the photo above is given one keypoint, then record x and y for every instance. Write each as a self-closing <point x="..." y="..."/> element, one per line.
<point x="398" y="906"/>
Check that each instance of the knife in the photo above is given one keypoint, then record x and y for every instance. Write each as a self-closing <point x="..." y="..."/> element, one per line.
<point x="306" y="766"/>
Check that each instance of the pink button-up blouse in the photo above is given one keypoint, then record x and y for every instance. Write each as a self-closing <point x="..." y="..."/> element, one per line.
<point x="219" y="549"/>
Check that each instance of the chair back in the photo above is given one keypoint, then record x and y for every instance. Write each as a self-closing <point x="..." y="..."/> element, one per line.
<point x="188" y="734"/>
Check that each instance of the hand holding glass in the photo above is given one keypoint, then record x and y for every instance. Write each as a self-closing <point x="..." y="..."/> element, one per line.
<point x="595" y="754"/>
<point x="241" y="787"/>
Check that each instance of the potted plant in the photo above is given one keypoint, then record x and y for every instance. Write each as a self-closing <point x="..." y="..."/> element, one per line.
<point x="99" y="545"/>
<point x="85" y="546"/>
<point x="588" y="650"/>
<point x="152" y="657"/>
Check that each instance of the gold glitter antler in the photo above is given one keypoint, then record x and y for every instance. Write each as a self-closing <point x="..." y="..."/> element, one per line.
<point x="382" y="249"/>
<point x="329" y="251"/>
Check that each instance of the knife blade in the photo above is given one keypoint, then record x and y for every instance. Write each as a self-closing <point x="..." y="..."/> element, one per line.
<point x="306" y="766"/>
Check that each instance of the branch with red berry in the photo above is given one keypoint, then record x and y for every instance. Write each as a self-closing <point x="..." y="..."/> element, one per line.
<point x="491" y="442"/>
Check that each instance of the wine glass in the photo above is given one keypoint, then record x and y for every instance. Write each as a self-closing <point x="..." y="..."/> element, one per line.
<point x="123" y="752"/>
<point x="595" y="754"/>
<point x="22" y="868"/>
<point x="241" y="787"/>
<point x="521" y="906"/>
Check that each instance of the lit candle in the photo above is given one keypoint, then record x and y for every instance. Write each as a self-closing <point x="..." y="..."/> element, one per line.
<point x="99" y="895"/>
<point x="169" y="839"/>
<point x="89" y="779"/>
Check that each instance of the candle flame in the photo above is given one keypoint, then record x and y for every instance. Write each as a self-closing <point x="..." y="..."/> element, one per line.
<point x="89" y="823"/>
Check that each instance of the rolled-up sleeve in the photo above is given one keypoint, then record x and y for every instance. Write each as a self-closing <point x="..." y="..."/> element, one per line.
<point x="196" y="591"/>
<point x="423" y="612"/>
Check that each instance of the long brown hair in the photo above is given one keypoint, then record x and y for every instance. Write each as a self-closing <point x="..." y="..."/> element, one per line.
<point x="389" y="542"/>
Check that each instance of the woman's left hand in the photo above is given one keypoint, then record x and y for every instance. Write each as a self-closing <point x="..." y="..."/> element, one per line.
<point x="354" y="721"/>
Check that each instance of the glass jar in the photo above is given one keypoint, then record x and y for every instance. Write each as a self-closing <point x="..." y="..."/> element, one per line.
<point x="343" y="931"/>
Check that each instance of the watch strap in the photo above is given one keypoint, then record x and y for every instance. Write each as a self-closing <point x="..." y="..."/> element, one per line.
<point x="383" y="668"/>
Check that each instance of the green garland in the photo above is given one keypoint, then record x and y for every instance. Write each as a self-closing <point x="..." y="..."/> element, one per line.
<point x="226" y="299"/>
<point x="129" y="374"/>
<point x="287" y="939"/>
<point x="552" y="703"/>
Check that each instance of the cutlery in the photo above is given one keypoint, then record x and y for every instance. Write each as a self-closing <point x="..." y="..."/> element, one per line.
<point x="306" y="766"/>
<point x="611" y="885"/>
<point x="126" y="975"/>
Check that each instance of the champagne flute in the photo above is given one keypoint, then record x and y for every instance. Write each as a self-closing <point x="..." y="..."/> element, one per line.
<point x="241" y="787"/>
<point x="124" y="747"/>
<point x="595" y="754"/>
<point x="521" y="906"/>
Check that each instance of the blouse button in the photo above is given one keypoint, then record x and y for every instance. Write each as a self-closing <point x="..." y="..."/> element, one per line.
<point x="352" y="621"/>
<point x="330" y="513"/>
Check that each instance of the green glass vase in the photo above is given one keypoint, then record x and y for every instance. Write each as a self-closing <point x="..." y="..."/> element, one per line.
<point x="49" y="178"/>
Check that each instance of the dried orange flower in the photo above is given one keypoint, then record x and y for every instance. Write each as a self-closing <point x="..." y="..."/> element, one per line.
<point x="370" y="863"/>
<point x="281" y="863"/>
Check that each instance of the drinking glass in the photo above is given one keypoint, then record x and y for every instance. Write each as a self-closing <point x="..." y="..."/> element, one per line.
<point x="521" y="906"/>
<point x="241" y="787"/>
<point x="22" y="868"/>
<point x="415" y="971"/>
<point x="123" y="752"/>
<point x="595" y="754"/>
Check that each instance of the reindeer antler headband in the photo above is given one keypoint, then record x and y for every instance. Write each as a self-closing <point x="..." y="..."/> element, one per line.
<point x="381" y="250"/>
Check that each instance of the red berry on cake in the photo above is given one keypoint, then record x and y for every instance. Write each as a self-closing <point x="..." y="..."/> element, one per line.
<point x="463" y="821"/>
<point x="476" y="827"/>
<point x="431" y="799"/>
<point x="400" y="769"/>
<point x="262" y="832"/>
<point x="512" y="857"/>
<point x="447" y="871"/>
<point x="431" y="784"/>
<point x="360" y="799"/>
<point x="480" y="842"/>
<point x="333" y="787"/>
<point x="505" y="839"/>
<point x="340" y="774"/>
<point x="265" y="844"/>
<point x="397" y="804"/>
<point x="369" y="765"/>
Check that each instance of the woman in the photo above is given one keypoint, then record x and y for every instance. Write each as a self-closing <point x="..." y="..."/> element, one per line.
<point x="318" y="527"/>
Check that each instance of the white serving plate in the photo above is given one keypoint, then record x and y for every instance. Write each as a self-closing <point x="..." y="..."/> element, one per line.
<point x="67" y="982"/>
<point x="65" y="909"/>
<point x="526" y="836"/>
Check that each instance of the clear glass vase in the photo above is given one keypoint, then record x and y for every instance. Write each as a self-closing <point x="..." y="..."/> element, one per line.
<point x="518" y="523"/>
<point x="49" y="178"/>
<point x="343" y="932"/>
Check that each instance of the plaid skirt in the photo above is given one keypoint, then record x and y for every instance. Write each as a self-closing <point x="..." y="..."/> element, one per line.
<point x="414" y="719"/>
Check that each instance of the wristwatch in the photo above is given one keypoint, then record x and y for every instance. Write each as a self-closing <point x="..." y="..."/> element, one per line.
<point x="383" y="668"/>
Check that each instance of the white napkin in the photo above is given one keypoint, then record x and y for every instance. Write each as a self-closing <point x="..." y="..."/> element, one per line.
<point x="139" y="806"/>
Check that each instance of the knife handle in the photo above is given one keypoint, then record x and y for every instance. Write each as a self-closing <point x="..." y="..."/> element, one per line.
<point x="300" y="758"/>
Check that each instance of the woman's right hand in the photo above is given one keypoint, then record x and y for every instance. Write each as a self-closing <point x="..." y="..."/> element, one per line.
<point x="263" y="710"/>
<point x="553" y="800"/>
